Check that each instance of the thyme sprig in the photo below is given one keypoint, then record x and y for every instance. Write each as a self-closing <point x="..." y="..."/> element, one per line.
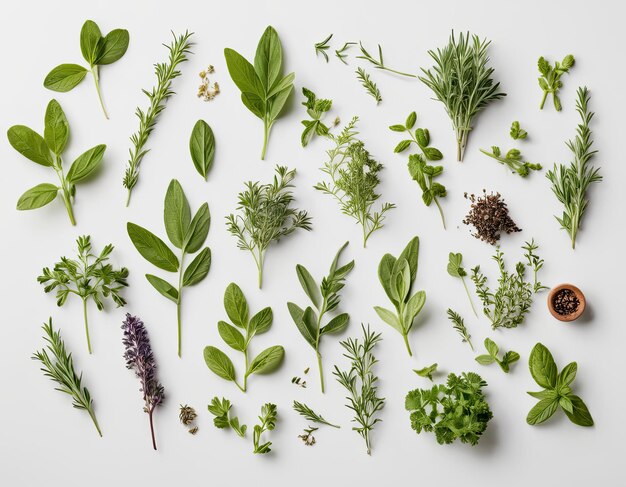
<point x="341" y="53"/>
<point x="369" y="85"/>
<point x="379" y="63"/>
<point x="458" y="323"/>
<point x="323" y="46"/>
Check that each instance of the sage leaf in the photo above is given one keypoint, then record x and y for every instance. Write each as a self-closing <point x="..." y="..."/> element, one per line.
<point x="202" y="147"/>
<point x="64" y="77"/>
<point x="388" y="317"/>
<point x="164" y="287"/>
<point x="308" y="284"/>
<point x="385" y="268"/>
<point x="262" y="321"/>
<point x="413" y="308"/>
<point x="491" y="347"/>
<point x="56" y="128"/>
<point x="231" y="336"/>
<point x="198" y="269"/>
<point x="243" y="73"/>
<point x="236" y="305"/>
<point x="198" y="229"/>
<point x="411" y="254"/>
<point x="254" y="103"/>
<point x="30" y="144"/>
<point x="336" y="325"/>
<point x="219" y="363"/>
<point x="485" y="359"/>
<point x="297" y="315"/>
<point x="267" y="361"/>
<point x="90" y="36"/>
<point x="176" y="214"/>
<point x="268" y="58"/>
<point x="86" y="163"/>
<point x="152" y="248"/>
<point x="38" y="196"/>
<point x="112" y="47"/>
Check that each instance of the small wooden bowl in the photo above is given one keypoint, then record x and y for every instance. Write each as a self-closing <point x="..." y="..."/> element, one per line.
<point x="581" y="306"/>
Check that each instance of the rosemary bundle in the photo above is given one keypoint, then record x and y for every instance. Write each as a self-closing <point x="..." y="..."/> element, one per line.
<point x="462" y="81"/>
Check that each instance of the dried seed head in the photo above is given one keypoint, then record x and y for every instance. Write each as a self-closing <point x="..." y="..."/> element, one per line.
<point x="187" y="415"/>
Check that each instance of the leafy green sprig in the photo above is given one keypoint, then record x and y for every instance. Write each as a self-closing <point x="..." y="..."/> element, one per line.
<point x="47" y="151"/>
<point x="341" y="52"/>
<point x="396" y="276"/>
<point x="268" y="419"/>
<point x="458" y="323"/>
<point x="98" y="51"/>
<point x="265" y="216"/>
<point x="90" y="278"/>
<point x="369" y="85"/>
<point x="557" y="391"/>
<point x="158" y="95"/>
<point x="362" y="384"/>
<point x="517" y="132"/>
<point x="513" y="159"/>
<point x="323" y="46"/>
<point x="354" y="178"/>
<point x="264" y="90"/>
<point x="456" y="269"/>
<point x="325" y="298"/>
<point x="238" y="312"/>
<point x="186" y="234"/>
<point x="427" y="371"/>
<point x="492" y="356"/>
<point x="550" y="79"/>
<point x="307" y="413"/>
<point x="570" y="183"/>
<point x="378" y="62"/>
<point x="462" y="81"/>
<point x="223" y="419"/>
<point x="58" y="365"/>
<point x="315" y="108"/>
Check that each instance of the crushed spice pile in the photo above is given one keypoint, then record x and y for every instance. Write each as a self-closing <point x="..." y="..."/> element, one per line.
<point x="489" y="215"/>
<point x="565" y="302"/>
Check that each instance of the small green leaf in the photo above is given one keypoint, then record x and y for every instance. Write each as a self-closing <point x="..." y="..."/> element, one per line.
<point x="112" y="47"/>
<point x="427" y="371"/>
<point x="202" y="147"/>
<point x="423" y="138"/>
<point x="336" y="325"/>
<point x="411" y="254"/>
<point x="164" y="287"/>
<point x="454" y="265"/>
<point x="398" y="128"/>
<point x="297" y="315"/>
<point x="566" y="403"/>
<point x="309" y="285"/>
<point x="152" y="248"/>
<point x="198" y="268"/>
<point x="176" y="214"/>
<point x="277" y="102"/>
<point x="388" y="317"/>
<point x="567" y="375"/>
<point x="410" y="120"/>
<point x="57" y="129"/>
<point x="267" y="361"/>
<point x="219" y="363"/>
<point x="30" y="144"/>
<point x="385" y="268"/>
<point x="542" y="411"/>
<point x="231" y="336"/>
<point x="198" y="229"/>
<point x="38" y="196"/>
<point x="236" y="305"/>
<point x="64" y="77"/>
<point x="580" y="415"/>
<point x="485" y="359"/>
<point x="510" y="357"/>
<point x="86" y="163"/>
<point x="402" y="146"/>
<point x="542" y="366"/>
<point x="262" y="321"/>
<point x="90" y="37"/>
<point x="491" y="347"/>
<point x="432" y="154"/>
<point x="268" y="58"/>
<point x="243" y="73"/>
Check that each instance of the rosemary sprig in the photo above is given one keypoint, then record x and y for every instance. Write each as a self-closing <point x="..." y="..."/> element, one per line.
<point x="165" y="73"/>
<point x="59" y="367"/>
<point x="341" y="53"/>
<point x="570" y="184"/>
<point x="306" y="412"/>
<point x="361" y="383"/>
<point x="462" y="81"/>
<point x="379" y="63"/>
<point x="323" y="46"/>
<point x="369" y="85"/>
<point x="459" y="325"/>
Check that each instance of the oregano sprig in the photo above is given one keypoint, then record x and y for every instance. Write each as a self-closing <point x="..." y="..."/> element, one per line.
<point x="550" y="79"/>
<point x="315" y="108"/>
<point x="513" y="159"/>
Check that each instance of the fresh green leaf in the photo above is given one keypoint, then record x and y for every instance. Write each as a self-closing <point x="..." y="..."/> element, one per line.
<point x="176" y="214"/>
<point x="485" y="359"/>
<point x="267" y="361"/>
<point x="262" y="321"/>
<point x="202" y="147"/>
<point x="30" y="144"/>
<point x="164" y="287"/>
<point x="90" y="37"/>
<point x="542" y="366"/>
<point x="580" y="415"/>
<point x="112" y="47"/>
<point x="236" y="305"/>
<point x="268" y="58"/>
<point x="427" y="371"/>
<point x="198" y="268"/>
<point x="491" y="347"/>
<point x="57" y="128"/>
<point x="152" y="248"/>
<point x="219" y="363"/>
<point x="38" y="196"/>
<point x="64" y="77"/>
<point x="309" y="285"/>
<point x="198" y="229"/>
<point x="231" y="336"/>
<point x="542" y="411"/>
<point x="297" y="315"/>
<point x="86" y="164"/>
<point x="336" y="325"/>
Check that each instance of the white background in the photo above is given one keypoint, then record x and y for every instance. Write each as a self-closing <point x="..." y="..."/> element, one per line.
<point x="42" y="439"/>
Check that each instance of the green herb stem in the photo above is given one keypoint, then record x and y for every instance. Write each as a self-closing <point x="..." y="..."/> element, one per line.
<point x="86" y="325"/>
<point x="152" y="429"/>
<point x="267" y="126"/>
<point x="179" y="302"/>
<point x="408" y="346"/>
<point x="443" y="218"/>
<point x="96" y="78"/>
<point x="95" y="421"/>
<point x="543" y="100"/>
<point x="469" y="296"/>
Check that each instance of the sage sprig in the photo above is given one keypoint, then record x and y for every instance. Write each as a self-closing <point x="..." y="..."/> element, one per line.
<point x="58" y="365"/>
<point x="158" y="95"/>
<point x="238" y="312"/>
<point x="325" y="298"/>
<point x="265" y="216"/>
<point x="47" y="151"/>
<point x="264" y="90"/>
<point x="186" y="234"/>
<point x="97" y="50"/>
<point x="397" y="276"/>
<point x="89" y="277"/>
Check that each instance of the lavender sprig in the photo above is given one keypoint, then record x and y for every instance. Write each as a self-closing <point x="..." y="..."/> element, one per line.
<point x="139" y="357"/>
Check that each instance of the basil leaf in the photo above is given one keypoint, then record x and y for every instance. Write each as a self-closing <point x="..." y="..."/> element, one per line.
<point x="243" y="73"/>
<point x="152" y="248"/>
<point x="309" y="285"/>
<point x="198" y="229"/>
<point x="542" y="411"/>
<point x="566" y="404"/>
<point x="90" y="37"/>
<point x="64" y="77"/>
<point x="267" y="361"/>
<point x="164" y="287"/>
<point x="198" y="268"/>
<point x="30" y="144"/>
<point x="268" y="58"/>
<point x="542" y="366"/>
<point x="262" y="321"/>
<point x="336" y="325"/>
<point x="567" y="375"/>
<point x="38" y="196"/>
<point x="202" y="147"/>
<point x="57" y="129"/>
<point x="176" y="214"/>
<point x="297" y="314"/>
<point x="112" y="47"/>
<point x="86" y="163"/>
<point x="219" y="363"/>
<point x="580" y="414"/>
<point x="236" y="305"/>
<point x="233" y="338"/>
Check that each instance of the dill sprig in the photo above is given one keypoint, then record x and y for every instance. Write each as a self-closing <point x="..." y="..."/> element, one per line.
<point x="306" y="412"/>
<point x="361" y="383"/>
<point x="265" y="216"/>
<point x="353" y="180"/>
<point x="461" y="80"/>
<point x="379" y="63"/>
<point x="165" y="73"/>
<point x="570" y="184"/>
<point x="459" y="325"/>
<point x="323" y="46"/>
<point x="59" y="367"/>
<point x="369" y="85"/>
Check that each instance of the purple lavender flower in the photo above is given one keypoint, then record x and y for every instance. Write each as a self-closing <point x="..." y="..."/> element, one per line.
<point x="139" y="357"/>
